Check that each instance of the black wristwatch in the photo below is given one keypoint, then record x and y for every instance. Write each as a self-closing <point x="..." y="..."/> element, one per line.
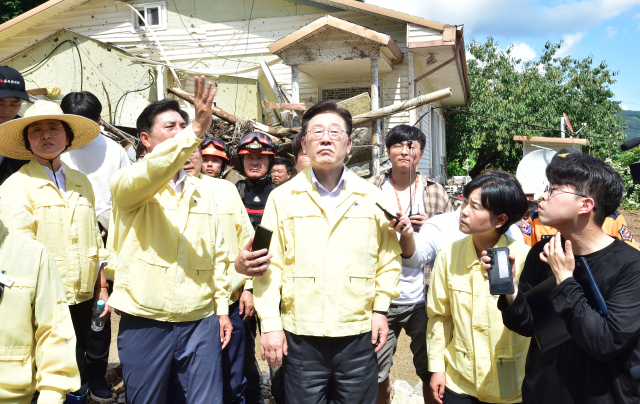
<point x="384" y="313"/>
<point x="249" y="290"/>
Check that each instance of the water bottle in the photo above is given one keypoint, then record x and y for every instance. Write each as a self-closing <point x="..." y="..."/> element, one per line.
<point x="97" y="323"/>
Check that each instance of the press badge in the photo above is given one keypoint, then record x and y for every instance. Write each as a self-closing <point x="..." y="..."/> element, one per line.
<point x="6" y="280"/>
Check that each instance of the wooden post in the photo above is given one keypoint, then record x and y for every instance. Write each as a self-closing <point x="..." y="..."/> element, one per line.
<point x="160" y="82"/>
<point x="295" y="84"/>
<point x="413" y="114"/>
<point x="375" y="138"/>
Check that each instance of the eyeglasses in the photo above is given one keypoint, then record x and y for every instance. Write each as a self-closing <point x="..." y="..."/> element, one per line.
<point x="317" y="132"/>
<point x="398" y="147"/>
<point x="549" y="190"/>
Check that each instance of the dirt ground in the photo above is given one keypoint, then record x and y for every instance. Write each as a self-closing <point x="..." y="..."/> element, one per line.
<point x="403" y="368"/>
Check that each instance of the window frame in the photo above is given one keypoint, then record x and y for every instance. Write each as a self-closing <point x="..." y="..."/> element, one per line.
<point x="142" y="9"/>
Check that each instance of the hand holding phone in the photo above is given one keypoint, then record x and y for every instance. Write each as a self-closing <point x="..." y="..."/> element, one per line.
<point x="500" y="274"/>
<point x="262" y="239"/>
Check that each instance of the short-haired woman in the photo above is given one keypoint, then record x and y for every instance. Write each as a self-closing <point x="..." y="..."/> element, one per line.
<point x="470" y="350"/>
<point x="53" y="204"/>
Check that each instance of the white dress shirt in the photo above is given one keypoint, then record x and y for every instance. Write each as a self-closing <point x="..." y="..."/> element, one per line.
<point x="329" y="198"/>
<point x="59" y="177"/>
<point x="439" y="231"/>
<point x="178" y="186"/>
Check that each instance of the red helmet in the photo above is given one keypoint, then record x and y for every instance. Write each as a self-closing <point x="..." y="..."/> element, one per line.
<point x="256" y="143"/>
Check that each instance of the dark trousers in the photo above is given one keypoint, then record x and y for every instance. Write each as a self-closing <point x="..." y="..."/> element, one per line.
<point x="98" y="344"/>
<point x="233" y="379"/>
<point x="156" y="354"/>
<point x="451" y="397"/>
<point x="81" y="317"/>
<point x="341" y="370"/>
<point x="253" y="391"/>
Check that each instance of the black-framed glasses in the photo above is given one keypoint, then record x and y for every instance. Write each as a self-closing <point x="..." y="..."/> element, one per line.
<point x="550" y="188"/>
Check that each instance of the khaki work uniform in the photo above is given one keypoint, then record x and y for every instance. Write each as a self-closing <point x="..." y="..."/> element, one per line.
<point x="466" y="338"/>
<point x="65" y="222"/>
<point x="171" y="258"/>
<point x="37" y="341"/>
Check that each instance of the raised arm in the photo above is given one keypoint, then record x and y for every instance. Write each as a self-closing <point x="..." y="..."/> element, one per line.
<point x="133" y="186"/>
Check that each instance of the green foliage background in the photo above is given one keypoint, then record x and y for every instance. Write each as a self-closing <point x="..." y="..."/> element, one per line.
<point x="632" y="119"/>
<point x="537" y="92"/>
<point x="13" y="8"/>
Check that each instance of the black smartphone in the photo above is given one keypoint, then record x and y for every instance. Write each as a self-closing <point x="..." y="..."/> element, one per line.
<point x="262" y="238"/>
<point x="386" y="212"/>
<point x="546" y="237"/>
<point x="500" y="279"/>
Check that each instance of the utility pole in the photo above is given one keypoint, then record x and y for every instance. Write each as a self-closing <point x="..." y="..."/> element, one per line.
<point x="563" y="124"/>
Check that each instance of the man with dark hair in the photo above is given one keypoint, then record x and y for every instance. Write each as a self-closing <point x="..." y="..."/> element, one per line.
<point x="614" y="225"/>
<point x="335" y="267"/>
<point x="596" y="364"/>
<point x="299" y="156"/>
<point x="411" y="193"/>
<point x="171" y="269"/>
<point x="473" y="357"/>
<point x="281" y="170"/>
<point x="98" y="160"/>
<point x="12" y="93"/>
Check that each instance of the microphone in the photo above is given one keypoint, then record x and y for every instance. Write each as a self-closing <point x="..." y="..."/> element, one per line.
<point x="630" y="144"/>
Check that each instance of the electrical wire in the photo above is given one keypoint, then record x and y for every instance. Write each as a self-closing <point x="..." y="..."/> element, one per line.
<point x="134" y="90"/>
<point x="73" y="43"/>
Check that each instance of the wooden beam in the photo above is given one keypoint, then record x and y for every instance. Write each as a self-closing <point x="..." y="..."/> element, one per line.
<point x="295" y="84"/>
<point x="375" y="104"/>
<point x="291" y="106"/>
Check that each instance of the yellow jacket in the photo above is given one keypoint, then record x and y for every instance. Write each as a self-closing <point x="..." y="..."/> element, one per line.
<point x="37" y="340"/>
<point x="32" y="205"/>
<point x="327" y="280"/>
<point x="171" y="258"/>
<point x="236" y="227"/>
<point x="466" y="338"/>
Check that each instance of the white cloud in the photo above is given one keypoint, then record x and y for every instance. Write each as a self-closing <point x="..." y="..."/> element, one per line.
<point x="612" y="31"/>
<point x="624" y="107"/>
<point x="569" y="42"/>
<point x="511" y="18"/>
<point x="521" y="50"/>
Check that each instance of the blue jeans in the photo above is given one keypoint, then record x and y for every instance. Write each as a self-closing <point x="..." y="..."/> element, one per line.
<point x="233" y="380"/>
<point x="156" y="354"/>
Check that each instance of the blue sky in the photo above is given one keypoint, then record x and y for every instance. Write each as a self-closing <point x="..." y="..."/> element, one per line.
<point x="607" y="29"/>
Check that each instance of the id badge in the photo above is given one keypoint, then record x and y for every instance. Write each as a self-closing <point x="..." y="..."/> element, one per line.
<point x="6" y="280"/>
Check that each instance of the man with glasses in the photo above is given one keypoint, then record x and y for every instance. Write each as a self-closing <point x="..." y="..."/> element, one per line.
<point x="614" y="225"/>
<point x="215" y="157"/>
<point x="411" y="193"/>
<point x="324" y="299"/>
<point x="596" y="365"/>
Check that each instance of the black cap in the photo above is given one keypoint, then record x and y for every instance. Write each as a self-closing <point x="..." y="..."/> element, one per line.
<point x="12" y="84"/>
<point x="565" y="152"/>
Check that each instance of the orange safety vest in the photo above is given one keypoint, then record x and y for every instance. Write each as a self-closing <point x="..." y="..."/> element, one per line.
<point x="614" y="225"/>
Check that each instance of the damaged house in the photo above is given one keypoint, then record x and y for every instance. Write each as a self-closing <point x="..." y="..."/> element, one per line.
<point x="258" y="53"/>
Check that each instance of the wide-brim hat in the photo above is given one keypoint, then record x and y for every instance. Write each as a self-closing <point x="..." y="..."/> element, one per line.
<point x="12" y="142"/>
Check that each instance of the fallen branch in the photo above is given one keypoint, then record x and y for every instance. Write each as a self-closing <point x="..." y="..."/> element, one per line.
<point x="398" y="107"/>
<point x="225" y="116"/>
<point x="277" y="105"/>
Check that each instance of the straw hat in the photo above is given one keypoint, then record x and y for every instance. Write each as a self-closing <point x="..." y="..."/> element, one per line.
<point x="12" y="141"/>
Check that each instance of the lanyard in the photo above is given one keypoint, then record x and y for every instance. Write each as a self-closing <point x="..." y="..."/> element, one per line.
<point x="415" y="189"/>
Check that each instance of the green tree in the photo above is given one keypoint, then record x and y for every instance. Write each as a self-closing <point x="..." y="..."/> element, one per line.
<point x="13" y="8"/>
<point x="535" y="92"/>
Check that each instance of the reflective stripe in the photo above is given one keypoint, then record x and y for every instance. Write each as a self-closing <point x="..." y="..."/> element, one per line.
<point x="258" y="211"/>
